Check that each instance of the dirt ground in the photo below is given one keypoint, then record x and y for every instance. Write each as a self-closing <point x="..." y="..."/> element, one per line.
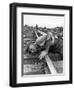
<point x="31" y="67"/>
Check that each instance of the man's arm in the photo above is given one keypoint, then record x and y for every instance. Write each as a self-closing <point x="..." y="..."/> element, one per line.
<point x="48" y="44"/>
<point x="50" y="41"/>
<point x="45" y="52"/>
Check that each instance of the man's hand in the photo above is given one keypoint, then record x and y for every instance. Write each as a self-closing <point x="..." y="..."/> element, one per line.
<point x="43" y="54"/>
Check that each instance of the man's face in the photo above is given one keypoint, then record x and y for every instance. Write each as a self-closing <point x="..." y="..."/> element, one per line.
<point x="32" y="48"/>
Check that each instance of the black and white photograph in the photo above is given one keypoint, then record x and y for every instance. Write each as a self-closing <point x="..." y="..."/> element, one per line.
<point x="42" y="44"/>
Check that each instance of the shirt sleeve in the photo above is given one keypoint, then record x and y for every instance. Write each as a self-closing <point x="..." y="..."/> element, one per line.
<point x="50" y="37"/>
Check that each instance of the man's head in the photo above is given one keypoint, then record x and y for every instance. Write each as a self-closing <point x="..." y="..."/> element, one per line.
<point x="32" y="48"/>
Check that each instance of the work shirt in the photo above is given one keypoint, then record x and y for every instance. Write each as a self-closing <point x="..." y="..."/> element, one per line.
<point x="45" y="41"/>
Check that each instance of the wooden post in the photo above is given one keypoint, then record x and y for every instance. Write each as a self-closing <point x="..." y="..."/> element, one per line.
<point x="50" y="65"/>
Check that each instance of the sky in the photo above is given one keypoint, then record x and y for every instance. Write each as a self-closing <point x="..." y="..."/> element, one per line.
<point x="44" y="21"/>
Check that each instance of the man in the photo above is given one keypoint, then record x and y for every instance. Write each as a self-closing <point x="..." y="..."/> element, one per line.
<point x="43" y="42"/>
